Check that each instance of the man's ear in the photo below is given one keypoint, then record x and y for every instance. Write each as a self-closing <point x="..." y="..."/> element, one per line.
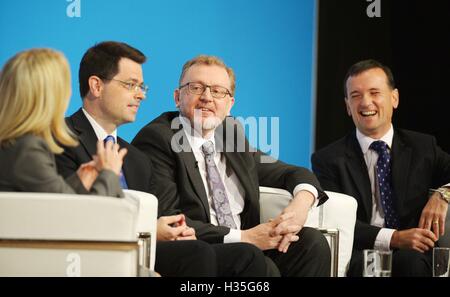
<point x="176" y="97"/>
<point x="95" y="85"/>
<point x="395" y="98"/>
<point x="231" y="106"/>
<point x="349" y="112"/>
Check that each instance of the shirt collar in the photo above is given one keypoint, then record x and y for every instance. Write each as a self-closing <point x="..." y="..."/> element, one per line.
<point x="195" y="139"/>
<point x="366" y="141"/>
<point x="99" y="131"/>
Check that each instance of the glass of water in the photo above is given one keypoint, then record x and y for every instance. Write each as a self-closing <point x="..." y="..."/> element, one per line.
<point x="441" y="262"/>
<point x="377" y="263"/>
<point x="383" y="265"/>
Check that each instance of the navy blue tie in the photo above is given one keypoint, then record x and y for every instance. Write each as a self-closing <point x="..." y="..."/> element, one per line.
<point x="384" y="178"/>
<point x="123" y="182"/>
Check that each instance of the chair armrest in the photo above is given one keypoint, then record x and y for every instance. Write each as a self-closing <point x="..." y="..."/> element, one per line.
<point x="52" y="216"/>
<point x="39" y="228"/>
<point x="332" y="236"/>
<point x="147" y="219"/>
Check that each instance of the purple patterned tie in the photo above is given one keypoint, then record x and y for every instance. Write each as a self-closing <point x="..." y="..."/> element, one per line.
<point x="383" y="169"/>
<point x="219" y="197"/>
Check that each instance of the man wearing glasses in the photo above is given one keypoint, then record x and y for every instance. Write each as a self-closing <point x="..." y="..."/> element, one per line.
<point x="217" y="189"/>
<point x="112" y="88"/>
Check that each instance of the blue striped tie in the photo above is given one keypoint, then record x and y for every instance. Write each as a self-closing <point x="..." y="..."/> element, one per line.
<point x="384" y="178"/>
<point x="123" y="182"/>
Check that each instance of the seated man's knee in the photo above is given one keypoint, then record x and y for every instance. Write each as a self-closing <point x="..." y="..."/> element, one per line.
<point x="249" y="248"/>
<point x="201" y="248"/>
<point x="202" y="255"/>
<point x="315" y="240"/>
<point x="248" y="251"/>
<point x="260" y="260"/>
<point x="248" y="260"/>
<point x="190" y="258"/>
<point x="411" y="263"/>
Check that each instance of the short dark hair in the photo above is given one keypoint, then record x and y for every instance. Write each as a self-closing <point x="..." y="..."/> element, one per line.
<point x="103" y="59"/>
<point x="365" y="65"/>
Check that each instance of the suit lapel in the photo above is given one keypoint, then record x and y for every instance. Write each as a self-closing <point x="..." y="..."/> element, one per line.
<point x="401" y="161"/>
<point x="130" y="168"/>
<point x="241" y="171"/>
<point x="196" y="180"/>
<point x="86" y="134"/>
<point x="357" y="169"/>
<point x="234" y="159"/>
<point x="191" y="165"/>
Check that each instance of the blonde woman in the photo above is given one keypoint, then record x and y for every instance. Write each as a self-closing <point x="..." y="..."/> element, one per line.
<point x="34" y="95"/>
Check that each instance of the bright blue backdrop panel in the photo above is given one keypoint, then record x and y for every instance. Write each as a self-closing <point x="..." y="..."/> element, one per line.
<point x="269" y="44"/>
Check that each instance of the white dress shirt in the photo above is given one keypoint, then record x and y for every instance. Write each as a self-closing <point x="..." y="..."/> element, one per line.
<point x="99" y="131"/>
<point x="233" y="188"/>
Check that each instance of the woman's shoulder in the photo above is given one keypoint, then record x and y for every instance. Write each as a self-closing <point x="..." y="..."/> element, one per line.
<point x="30" y="140"/>
<point x="27" y="151"/>
<point x="29" y="143"/>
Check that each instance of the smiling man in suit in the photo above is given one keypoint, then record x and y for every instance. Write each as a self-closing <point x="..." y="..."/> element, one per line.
<point x="206" y="175"/>
<point x="389" y="172"/>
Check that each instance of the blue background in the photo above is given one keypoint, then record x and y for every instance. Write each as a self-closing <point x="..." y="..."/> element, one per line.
<point x="269" y="44"/>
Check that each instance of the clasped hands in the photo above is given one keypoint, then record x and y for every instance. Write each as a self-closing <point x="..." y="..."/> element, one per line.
<point x="282" y="230"/>
<point x="174" y="228"/>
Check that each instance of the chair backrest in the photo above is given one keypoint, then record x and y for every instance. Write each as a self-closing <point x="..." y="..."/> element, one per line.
<point x="338" y="212"/>
<point x="48" y="234"/>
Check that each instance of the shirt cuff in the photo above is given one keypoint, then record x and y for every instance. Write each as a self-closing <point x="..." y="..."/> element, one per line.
<point x="309" y="188"/>
<point x="383" y="240"/>
<point x="233" y="236"/>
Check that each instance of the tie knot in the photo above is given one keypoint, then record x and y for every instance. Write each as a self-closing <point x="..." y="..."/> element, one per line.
<point x="208" y="148"/>
<point x="379" y="146"/>
<point x="109" y="138"/>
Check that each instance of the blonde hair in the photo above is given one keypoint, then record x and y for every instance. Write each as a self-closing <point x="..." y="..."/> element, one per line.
<point x="210" y="60"/>
<point x="34" y="95"/>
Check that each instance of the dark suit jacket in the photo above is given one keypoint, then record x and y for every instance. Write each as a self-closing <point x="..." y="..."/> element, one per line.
<point x="181" y="189"/>
<point x="28" y="165"/>
<point x="418" y="164"/>
<point x="137" y="168"/>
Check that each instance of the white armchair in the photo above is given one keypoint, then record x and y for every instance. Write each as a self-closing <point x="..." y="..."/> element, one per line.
<point x="335" y="218"/>
<point x="47" y="234"/>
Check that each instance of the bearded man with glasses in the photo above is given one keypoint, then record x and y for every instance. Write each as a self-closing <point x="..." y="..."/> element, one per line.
<point x="217" y="189"/>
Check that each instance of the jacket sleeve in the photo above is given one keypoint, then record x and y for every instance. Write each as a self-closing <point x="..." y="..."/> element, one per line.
<point x="35" y="171"/>
<point x="365" y="234"/>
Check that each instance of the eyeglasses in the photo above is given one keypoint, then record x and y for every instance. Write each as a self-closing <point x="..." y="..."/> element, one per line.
<point x="217" y="92"/>
<point x="131" y="86"/>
